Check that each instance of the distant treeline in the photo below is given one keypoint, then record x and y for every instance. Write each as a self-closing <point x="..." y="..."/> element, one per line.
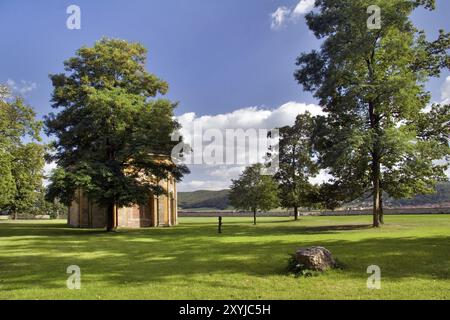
<point x="204" y="199"/>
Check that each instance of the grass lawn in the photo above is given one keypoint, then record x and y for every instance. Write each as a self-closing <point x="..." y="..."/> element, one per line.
<point x="192" y="261"/>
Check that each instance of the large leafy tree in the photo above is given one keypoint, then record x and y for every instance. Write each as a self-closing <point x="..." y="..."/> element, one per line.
<point x="254" y="191"/>
<point x="27" y="170"/>
<point x="378" y="136"/>
<point x="111" y="128"/>
<point x="21" y="163"/>
<point x="297" y="164"/>
<point x="7" y="187"/>
<point x="63" y="185"/>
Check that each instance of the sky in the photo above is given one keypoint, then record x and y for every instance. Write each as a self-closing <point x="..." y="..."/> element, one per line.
<point x="229" y="63"/>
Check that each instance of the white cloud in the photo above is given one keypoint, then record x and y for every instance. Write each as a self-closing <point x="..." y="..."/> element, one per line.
<point x="247" y="118"/>
<point x="216" y="177"/>
<point x="23" y="87"/>
<point x="303" y="7"/>
<point x="283" y="14"/>
<point x="48" y="168"/>
<point x="226" y="172"/>
<point x="244" y="122"/>
<point x="279" y="17"/>
<point x="322" y="177"/>
<point x="212" y="185"/>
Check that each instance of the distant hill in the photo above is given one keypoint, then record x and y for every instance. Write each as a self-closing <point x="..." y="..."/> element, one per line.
<point x="204" y="199"/>
<point x="218" y="200"/>
<point x="441" y="197"/>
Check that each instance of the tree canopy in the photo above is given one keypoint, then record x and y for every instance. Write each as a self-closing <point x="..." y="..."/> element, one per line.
<point x="21" y="162"/>
<point x="113" y="126"/>
<point x="378" y="135"/>
<point x="297" y="164"/>
<point x="254" y="191"/>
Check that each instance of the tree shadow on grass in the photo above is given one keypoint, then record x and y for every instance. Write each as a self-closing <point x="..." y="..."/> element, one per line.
<point x="264" y="228"/>
<point x="294" y="229"/>
<point x="188" y="252"/>
<point x="45" y="229"/>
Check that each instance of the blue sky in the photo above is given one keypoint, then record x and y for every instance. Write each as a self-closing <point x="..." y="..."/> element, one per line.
<point x="218" y="56"/>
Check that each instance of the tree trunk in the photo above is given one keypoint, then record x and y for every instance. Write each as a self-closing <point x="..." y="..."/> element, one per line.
<point x="374" y="118"/>
<point x="254" y="217"/>
<point x="376" y="194"/>
<point x="111" y="218"/>
<point x="376" y="174"/>
<point x="111" y="223"/>
<point x="296" y="213"/>
<point x="376" y="164"/>
<point x="381" y="213"/>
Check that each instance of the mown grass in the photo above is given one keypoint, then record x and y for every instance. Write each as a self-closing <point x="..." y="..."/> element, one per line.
<point x="192" y="261"/>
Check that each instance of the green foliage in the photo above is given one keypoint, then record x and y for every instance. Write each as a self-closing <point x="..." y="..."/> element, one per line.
<point x="7" y="186"/>
<point x="55" y="209"/>
<point x="27" y="170"/>
<point x="111" y="129"/>
<point x="296" y="164"/>
<point x="377" y="136"/>
<point x="63" y="185"/>
<point x="17" y="120"/>
<point x="254" y="191"/>
<point x="21" y="164"/>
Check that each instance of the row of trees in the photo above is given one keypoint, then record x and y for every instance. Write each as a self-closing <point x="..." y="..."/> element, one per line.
<point x="380" y="135"/>
<point x="291" y="186"/>
<point x="111" y="130"/>
<point x="376" y="138"/>
<point x="300" y="160"/>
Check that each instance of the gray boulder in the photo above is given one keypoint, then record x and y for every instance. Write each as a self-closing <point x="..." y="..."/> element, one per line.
<point x="316" y="258"/>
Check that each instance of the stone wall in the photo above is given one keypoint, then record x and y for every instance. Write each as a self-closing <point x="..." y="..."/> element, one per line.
<point x="397" y="211"/>
<point x="135" y="217"/>
<point x="158" y="212"/>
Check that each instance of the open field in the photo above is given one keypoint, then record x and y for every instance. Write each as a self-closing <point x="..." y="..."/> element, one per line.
<point x="192" y="261"/>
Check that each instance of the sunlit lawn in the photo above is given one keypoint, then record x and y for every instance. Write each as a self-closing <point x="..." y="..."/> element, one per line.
<point x="192" y="261"/>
